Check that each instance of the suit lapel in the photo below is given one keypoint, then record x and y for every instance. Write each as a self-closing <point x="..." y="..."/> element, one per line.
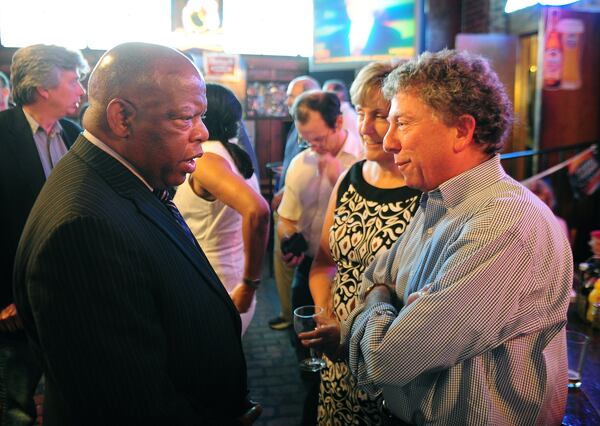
<point x="130" y="187"/>
<point x="27" y="158"/>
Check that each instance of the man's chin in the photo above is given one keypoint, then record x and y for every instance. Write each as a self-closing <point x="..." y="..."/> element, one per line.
<point x="176" y="182"/>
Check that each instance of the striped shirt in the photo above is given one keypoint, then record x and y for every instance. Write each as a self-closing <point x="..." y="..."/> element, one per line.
<point x="486" y="346"/>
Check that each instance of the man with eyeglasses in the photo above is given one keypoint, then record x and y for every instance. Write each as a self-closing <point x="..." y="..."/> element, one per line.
<point x="293" y="146"/>
<point x="310" y="179"/>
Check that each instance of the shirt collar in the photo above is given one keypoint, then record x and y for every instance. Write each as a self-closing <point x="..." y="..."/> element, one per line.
<point x="457" y="189"/>
<point x="35" y="126"/>
<point x="101" y="145"/>
<point x="346" y="147"/>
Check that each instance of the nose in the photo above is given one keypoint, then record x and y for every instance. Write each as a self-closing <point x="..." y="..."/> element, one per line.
<point x="391" y="143"/>
<point x="81" y="88"/>
<point x="199" y="132"/>
<point x="365" y="125"/>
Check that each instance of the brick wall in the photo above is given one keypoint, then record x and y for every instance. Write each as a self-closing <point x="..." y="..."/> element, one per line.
<point x="475" y="16"/>
<point x="498" y="19"/>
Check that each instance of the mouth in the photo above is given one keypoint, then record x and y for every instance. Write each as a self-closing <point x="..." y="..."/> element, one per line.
<point x="402" y="163"/>
<point x="189" y="165"/>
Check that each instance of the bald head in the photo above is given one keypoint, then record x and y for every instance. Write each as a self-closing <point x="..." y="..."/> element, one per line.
<point x="147" y="104"/>
<point x="133" y="72"/>
<point x="299" y="85"/>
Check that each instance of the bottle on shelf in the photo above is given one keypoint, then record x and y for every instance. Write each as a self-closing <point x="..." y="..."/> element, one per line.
<point x="589" y="274"/>
<point x="553" y="54"/>
<point x="593" y="301"/>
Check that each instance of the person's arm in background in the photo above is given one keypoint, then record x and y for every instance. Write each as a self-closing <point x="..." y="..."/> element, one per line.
<point x="276" y="200"/>
<point x="323" y="269"/>
<point x="285" y="229"/>
<point x="214" y="175"/>
<point x="9" y="319"/>
<point x="290" y="211"/>
<point x="244" y="141"/>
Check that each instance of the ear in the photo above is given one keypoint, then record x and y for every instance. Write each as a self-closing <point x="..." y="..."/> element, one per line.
<point x="119" y="114"/>
<point x="42" y="92"/>
<point x="465" y="127"/>
<point x="339" y="122"/>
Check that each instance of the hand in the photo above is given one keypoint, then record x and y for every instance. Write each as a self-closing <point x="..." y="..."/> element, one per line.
<point x="276" y="200"/>
<point x="324" y="338"/>
<point x="9" y="319"/>
<point x="418" y="294"/>
<point x="380" y="293"/>
<point x="291" y="260"/>
<point x="250" y="416"/>
<point x="330" y="167"/>
<point x="242" y="296"/>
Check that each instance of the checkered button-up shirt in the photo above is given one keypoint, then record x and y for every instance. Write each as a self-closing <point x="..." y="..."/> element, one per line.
<point x="486" y="346"/>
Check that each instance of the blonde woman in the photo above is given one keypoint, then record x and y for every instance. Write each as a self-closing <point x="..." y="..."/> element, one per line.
<point x="369" y="209"/>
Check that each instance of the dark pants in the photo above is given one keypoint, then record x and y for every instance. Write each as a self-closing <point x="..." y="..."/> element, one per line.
<point x="300" y="297"/>
<point x="19" y="377"/>
<point x="300" y="290"/>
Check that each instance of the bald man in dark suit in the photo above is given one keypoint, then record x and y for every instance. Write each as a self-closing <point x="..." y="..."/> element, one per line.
<point x="130" y="321"/>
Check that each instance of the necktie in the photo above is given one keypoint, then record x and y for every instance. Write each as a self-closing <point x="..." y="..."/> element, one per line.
<point x="165" y="198"/>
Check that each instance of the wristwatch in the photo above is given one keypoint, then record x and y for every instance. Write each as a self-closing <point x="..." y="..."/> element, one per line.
<point x="254" y="284"/>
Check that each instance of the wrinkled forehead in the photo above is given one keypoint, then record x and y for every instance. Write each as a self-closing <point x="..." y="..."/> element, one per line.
<point x="167" y="84"/>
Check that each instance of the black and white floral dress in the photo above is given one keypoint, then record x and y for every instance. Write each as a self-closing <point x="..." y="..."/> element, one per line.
<point x="367" y="221"/>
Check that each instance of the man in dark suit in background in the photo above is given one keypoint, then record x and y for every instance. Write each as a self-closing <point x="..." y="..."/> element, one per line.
<point x="130" y="321"/>
<point x="4" y="91"/>
<point x="33" y="137"/>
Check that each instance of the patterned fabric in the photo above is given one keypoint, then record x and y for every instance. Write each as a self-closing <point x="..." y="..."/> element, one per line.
<point x="367" y="221"/>
<point x="487" y="345"/>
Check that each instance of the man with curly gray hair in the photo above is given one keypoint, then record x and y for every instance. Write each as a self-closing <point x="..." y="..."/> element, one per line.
<point x="46" y="87"/>
<point x="462" y="321"/>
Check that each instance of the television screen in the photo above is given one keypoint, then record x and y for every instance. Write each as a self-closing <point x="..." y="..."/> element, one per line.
<point x="348" y="33"/>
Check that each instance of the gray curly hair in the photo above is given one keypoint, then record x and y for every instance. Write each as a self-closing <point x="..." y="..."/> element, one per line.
<point x="39" y="65"/>
<point x="455" y="83"/>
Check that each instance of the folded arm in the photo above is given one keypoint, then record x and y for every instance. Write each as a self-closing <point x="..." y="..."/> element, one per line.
<point x="482" y="296"/>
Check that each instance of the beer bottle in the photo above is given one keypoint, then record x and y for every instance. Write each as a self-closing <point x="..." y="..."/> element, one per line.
<point x="590" y="273"/>
<point x="593" y="299"/>
<point x="553" y="56"/>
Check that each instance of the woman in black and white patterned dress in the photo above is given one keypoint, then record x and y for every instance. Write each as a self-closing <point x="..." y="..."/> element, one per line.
<point x="369" y="209"/>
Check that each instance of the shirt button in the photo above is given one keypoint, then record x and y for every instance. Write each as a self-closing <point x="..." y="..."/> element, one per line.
<point x="429" y="231"/>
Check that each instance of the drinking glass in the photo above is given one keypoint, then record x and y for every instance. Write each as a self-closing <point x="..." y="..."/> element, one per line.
<point x="304" y="320"/>
<point x="576" y="348"/>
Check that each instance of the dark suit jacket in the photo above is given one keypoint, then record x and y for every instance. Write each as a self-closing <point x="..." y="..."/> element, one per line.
<point x="130" y="321"/>
<point x="21" y="179"/>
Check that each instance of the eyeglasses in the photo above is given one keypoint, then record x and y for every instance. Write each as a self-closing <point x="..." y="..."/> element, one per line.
<point x="302" y="142"/>
<point x="316" y="141"/>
